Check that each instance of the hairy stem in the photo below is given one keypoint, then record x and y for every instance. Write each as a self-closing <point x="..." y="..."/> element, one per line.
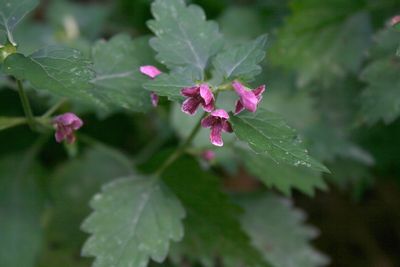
<point x="180" y="150"/>
<point x="26" y="106"/>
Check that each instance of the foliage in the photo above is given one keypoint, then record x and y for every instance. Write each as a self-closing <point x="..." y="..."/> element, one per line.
<point x="141" y="184"/>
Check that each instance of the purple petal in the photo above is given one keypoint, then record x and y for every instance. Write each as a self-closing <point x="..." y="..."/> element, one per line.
<point x="208" y="121"/>
<point x="77" y="124"/>
<point x="249" y="101"/>
<point x="239" y="107"/>
<point x="206" y="93"/>
<point x="258" y="92"/>
<point x="150" y="71"/>
<point x="239" y="88"/>
<point x="247" y="97"/>
<point x="190" y="105"/>
<point x="154" y="99"/>
<point x="59" y="136"/>
<point x="220" y="113"/>
<point x="215" y="135"/>
<point x="190" y="91"/>
<point x="227" y="127"/>
<point x="209" y="107"/>
<point x="68" y="119"/>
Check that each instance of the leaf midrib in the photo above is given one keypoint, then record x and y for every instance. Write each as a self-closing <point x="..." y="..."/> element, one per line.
<point x="270" y="139"/>
<point x="136" y="219"/>
<point x="246" y="56"/>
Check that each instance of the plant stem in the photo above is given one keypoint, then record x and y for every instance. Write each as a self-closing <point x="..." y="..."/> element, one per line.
<point x="54" y="108"/>
<point x="180" y="150"/>
<point x="225" y="87"/>
<point x="26" y="105"/>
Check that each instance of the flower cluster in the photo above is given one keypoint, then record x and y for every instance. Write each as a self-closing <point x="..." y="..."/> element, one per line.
<point x="217" y="119"/>
<point x="202" y="95"/>
<point x="199" y="95"/>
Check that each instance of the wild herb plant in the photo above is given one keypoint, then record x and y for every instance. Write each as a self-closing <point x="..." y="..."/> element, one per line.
<point x="211" y="87"/>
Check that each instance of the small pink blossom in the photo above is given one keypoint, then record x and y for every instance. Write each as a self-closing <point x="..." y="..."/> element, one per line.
<point x="65" y="125"/>
<point x="395" y="21"/>
<point x="248" y="99"/>
<point x="152" y="72"/>
<point x="154" y="99"/>
<point x="218" y="122"/>
<point x="208" y="155"/>
<point x="196" y="96"/>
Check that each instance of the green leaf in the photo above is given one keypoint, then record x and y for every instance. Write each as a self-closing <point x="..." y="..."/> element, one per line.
<point x="32" y="35"/>
<point x="184" y="37"/>
<point x="283" y="177"/>
<point x="277" y="229"/>
<point x="209" y="232"/>
<point x="134" y="220"/>
<point x="96" y="167"/>
<point x="58" y="70"/>
<point x="20" y="211"/>
<point x="323" y="39"/>
<point x="118" y="82"/>
<point x="112" y="82"/>
<point x="267" y="132"/>
<point x="9" y="122"/>
<point x="12" y="12"/>
<point x="381" y="98"/>
<point x="170" y="85"/>
<point x="241" y="62"/>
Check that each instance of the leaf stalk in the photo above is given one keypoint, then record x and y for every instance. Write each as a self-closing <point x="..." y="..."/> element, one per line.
<point x="180" y="150"/>
<point x="26" y="106"/>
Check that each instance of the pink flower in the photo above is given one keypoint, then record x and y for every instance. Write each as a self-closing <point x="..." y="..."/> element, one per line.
<point x="395" y="21"/>
<point x="218" y="122"/>
<point x="65" y="125"/>
<point x="196" y="96"/>
<point x="248" y="99"/>
<point x="208" y="155"/>
<point x="152" y="72"/>
<point x="154" y="99"/>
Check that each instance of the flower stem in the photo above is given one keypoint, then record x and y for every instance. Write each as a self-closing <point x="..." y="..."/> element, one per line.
<point x="54" y="108"/>
<point x="225" y="87"/>
<point x="180" y="150"/>
<point x="26" y="105"/>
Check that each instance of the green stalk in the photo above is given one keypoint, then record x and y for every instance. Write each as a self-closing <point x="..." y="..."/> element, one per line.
<point x="26" y="105"/>
<point x="54" y="108"/>
<point x="180" y="150"/>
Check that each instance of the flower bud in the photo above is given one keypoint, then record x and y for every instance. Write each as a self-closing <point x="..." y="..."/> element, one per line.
<point x="6" y="50"/>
